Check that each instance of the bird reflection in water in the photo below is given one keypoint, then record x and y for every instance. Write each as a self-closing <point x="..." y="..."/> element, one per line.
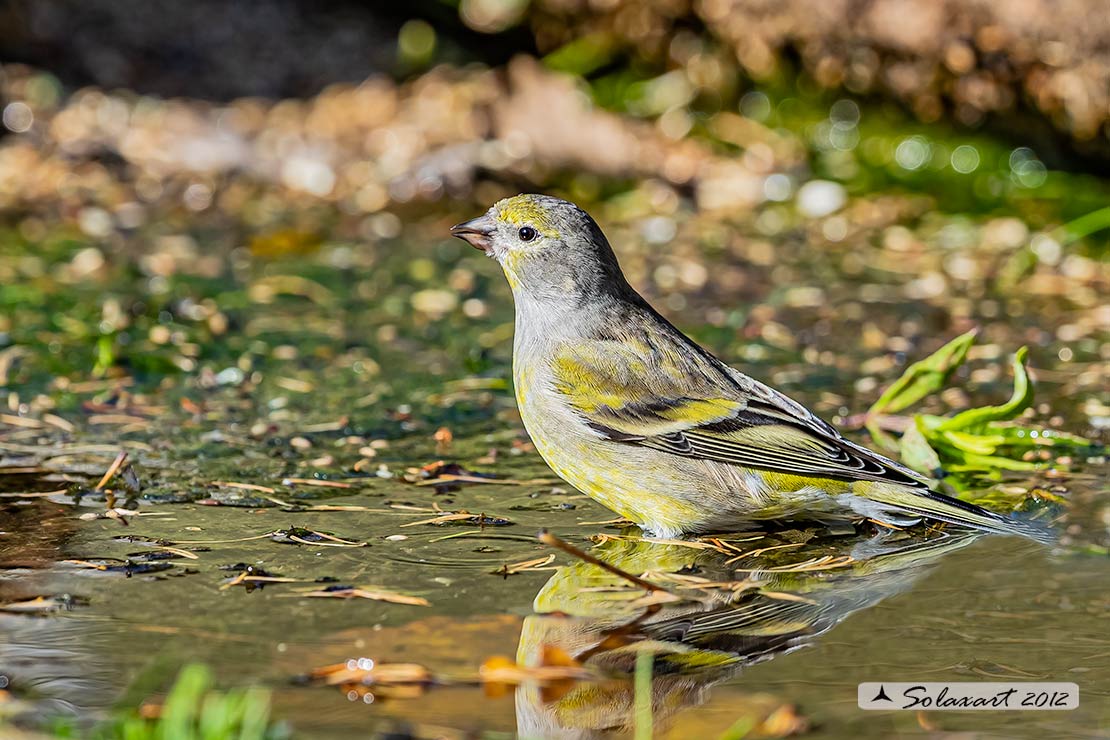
<point x="722" y="609"/>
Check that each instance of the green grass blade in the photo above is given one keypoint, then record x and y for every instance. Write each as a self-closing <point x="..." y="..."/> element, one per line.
<point x="642" y="704"/>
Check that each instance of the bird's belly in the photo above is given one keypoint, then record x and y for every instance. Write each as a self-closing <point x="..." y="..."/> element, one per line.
<point x="666" y="494"/>
<point x="623" y="481"/>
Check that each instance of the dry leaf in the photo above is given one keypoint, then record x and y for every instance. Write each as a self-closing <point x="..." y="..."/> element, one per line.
<point x="369" y="592"/>
<point x="527" y="565"/>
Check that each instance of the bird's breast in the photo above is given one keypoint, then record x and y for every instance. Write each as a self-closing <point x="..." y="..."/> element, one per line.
<point x="635" y="482"/>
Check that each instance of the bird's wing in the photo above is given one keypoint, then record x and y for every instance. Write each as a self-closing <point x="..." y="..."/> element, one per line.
<point x="680" y="400"/>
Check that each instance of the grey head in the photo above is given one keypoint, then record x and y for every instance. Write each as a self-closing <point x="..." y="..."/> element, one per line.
<point x="550" y="249"/>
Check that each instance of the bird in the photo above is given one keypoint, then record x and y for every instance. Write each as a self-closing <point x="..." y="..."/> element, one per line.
<point x="630" y="411"/>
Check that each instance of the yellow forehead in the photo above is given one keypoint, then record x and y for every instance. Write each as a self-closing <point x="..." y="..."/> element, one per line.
<point x="524" y="211"/>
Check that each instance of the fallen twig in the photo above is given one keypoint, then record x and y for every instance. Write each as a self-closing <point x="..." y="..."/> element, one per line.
<point x="112" y="470"/>
<point x="369" y="592"/>
<point x="552" y="541"/>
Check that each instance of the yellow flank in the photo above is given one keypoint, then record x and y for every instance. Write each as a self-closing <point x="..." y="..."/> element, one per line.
<point x="602" y="477"/>
<point x="522" y="210"/>
<point x="787" y="483"/>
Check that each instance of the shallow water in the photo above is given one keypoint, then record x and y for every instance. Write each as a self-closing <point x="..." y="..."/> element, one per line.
<point x="961" y="609"/>
<point x="343" y="365"/>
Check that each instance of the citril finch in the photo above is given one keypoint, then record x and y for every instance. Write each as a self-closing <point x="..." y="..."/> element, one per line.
<point x="627" y="409"/>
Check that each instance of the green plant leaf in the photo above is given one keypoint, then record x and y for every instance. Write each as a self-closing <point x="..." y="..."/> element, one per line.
<point x="972" y="463"/>
<point x="916" y="451"/>
<point x="105" y="355"/>
<point x="920" y="379"/>
<point x="978" y="444"/>
<point x="182" y="707"/>
<point x="976" y="420"/>
<point x="924" y="377"/>
<point x="1026" y="438"/>
<point x="194" y="711"/>
<point x="1083" y="226"/>
<point x="642" y="696"/>
<point x="255" y="714"/>
<point x="583" y="55"/>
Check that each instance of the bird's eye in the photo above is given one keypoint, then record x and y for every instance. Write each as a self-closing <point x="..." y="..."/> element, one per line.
<point x="527" y="233"/>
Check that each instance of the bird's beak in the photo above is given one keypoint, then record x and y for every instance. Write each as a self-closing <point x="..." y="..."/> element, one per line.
<point x="477" y="232"/>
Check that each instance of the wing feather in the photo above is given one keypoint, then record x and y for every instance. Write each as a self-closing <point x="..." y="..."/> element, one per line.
<point x="687" y="403"/>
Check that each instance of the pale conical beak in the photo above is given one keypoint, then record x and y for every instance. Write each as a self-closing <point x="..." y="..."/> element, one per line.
<point x="477" y="232"/>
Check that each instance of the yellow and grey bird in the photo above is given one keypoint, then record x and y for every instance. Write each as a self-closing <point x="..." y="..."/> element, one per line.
<point x="630" y="411"/>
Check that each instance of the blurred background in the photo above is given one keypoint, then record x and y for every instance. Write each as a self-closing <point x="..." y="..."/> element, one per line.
<point x="948" y="157"/>
<point x="224" y="250"/>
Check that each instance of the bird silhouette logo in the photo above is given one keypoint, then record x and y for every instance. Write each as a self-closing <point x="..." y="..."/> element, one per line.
<point x="882" y="694"/>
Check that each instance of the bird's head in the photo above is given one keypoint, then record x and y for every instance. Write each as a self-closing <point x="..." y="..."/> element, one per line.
<point x="546" y="246"/>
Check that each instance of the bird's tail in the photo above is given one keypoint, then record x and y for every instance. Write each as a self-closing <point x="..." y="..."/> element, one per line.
<point x="927" y="503"/>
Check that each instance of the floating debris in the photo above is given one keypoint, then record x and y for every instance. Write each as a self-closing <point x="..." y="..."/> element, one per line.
<point x="320" y="482"/>
<point x="237" y="501"/>
<point x="292" y="507"/>
<point x="536" y="564"/>
<point x="252" y="577"/>
<point x="45" y="604"/>
<point x="162" y="544"/>
<point x="115" y="565"/>
<point x="711" y="543"/>
<point x="557" y="672"/>
<point x="166" y="553"/>
<point x="33" y="494"/>
<point x="365" y="592"/>
<point x="442" y="474"/>
<point x="120" y="515"/>
<point x="464" y="517"/>
<point x="303" y="536"/>
<point x="443" y="438"/>
<point x="361" y="678"/>
<point x="244" y="486"/>
<point x="112" y="470"/>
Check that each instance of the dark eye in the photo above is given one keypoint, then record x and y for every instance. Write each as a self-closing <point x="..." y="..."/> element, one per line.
<point x="527" y="233"/>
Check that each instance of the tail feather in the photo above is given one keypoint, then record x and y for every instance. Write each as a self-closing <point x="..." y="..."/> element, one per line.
<point x="927" y="503"/>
